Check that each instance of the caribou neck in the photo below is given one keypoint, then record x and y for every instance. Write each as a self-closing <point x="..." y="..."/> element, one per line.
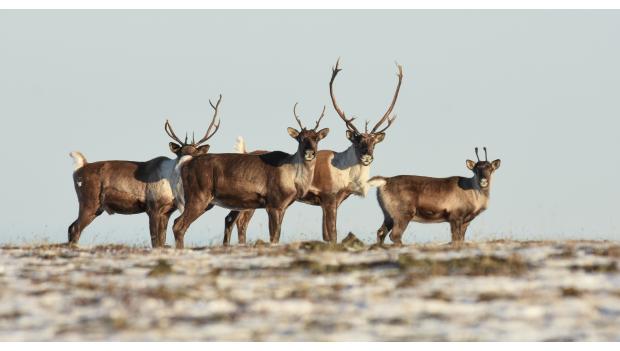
<point x="357" y="173"/>
<point x="346" y="159"/>
<point x="304" y="172"/>
<point x="473" y="184"/>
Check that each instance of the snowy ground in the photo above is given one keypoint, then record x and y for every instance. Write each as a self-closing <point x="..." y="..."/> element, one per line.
<point x="309" y="291"/>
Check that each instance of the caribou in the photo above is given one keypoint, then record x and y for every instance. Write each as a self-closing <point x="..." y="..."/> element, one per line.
<point x="129" y="187"/>
<point x="272" y="180"/>
<point x="337" y="175"/>
<point x="457" y="200"/>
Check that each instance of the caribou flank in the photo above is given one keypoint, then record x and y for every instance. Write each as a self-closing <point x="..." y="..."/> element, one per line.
<point x="129" y="187"/>
<point x="272" y="180"/>
<point x="337" y="175"/>
<point x="457" y="200"/>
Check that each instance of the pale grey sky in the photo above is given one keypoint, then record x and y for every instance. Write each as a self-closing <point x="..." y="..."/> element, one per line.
<point x="541" y="89"/>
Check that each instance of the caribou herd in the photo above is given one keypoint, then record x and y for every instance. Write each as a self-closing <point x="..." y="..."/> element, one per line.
<point x="242" y="182"/>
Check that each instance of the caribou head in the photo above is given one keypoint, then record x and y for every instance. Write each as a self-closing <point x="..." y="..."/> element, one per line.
<point x="483" y="170"/>
<point x="364" y="143"/>
<point x="308" y="139"/>
<point x="194" y="148"/>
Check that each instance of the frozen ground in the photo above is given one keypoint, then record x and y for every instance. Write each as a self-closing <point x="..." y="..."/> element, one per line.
<point x="501" y="290"/>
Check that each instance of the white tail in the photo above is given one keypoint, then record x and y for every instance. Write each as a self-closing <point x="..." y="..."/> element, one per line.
<point x="78" y="160"/>
<point x="240" y="146"/>
<point x="377" y="181"/>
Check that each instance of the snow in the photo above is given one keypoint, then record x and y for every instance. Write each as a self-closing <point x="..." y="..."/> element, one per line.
<point x="566" y="290"/>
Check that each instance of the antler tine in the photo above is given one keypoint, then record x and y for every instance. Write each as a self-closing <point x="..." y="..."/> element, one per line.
<point x="390" y="120"/>
<point x="348" y="122"/>
<point x="485" y="153"/>
<point x="320" y="118"/>
<point x="389" y="111"/>
<point x="170" y="132"/>
<point x="213" y="125"/>
<point x="296" y="116"/>
<point x="477" y="154"/>
<point x="366" y="127"/>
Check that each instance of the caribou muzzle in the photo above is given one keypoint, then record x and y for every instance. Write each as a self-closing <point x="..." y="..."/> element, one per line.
<point x="309" y="155"/>
<point x="484" y="182"/>
<point x="367" y="160"/>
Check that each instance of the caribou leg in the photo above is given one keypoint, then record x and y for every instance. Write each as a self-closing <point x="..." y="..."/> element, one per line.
<point x="385" y="228"/>
<point x="400" y="225"/>
<point x="190" y="214"/>
<point x="159" y="214"/>
<point x="330" y="210"/>
<point x="275" y="224"/>
<point x="456" y="228"/>
<point x="85" y="217"/>
<point x="163" y="227"/>
<point x="242" y="225"/>
<point x="463" y="230"/>
<point x="154" y="228"/>
<point x="229" y="222"/>
<point x="325" y="230"/>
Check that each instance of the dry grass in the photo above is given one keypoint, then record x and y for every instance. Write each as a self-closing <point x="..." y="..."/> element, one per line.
<point x="312" y="290"/>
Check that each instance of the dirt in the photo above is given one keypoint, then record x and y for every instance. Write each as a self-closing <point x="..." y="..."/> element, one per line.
<point x="313" y="291"/>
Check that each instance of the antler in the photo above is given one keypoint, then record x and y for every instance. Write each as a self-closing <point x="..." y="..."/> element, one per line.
<point x="485" y="153"/>
<point x="213" y="126"/>
<point x="297" y="117"/>
<point x="386" y="116"/>
<point x="299" y="121"/>
<point x="390" y="120"/>
<point x="170" y="132"/>
<point x="349" y="122"/>
<point x="320" y="118"/>
<point x="477" y="154"/>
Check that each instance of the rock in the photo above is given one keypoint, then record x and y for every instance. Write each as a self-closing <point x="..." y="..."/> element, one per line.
<point x="260" y="243"/>
<point x="352" y="242"/>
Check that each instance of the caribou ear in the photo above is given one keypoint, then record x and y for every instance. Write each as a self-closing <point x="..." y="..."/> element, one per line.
<point x="323" y="133"/>
<point x="350" y="135"/>
<point x="202" y="150"/>
<point x="379" y="137"/>
<point x="292" y="132"/>
<point x="470" y="164"/>
<point x="175" y="148"/>
<point x="496" y="164"/>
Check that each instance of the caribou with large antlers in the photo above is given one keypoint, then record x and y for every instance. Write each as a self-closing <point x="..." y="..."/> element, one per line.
<point x="337" y="175"/>
<point x="457" y="200"/>
<point x="129" y="187"/>
<point x="272" y="180"/>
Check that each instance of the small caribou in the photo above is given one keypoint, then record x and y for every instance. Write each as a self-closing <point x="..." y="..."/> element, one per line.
<point x="337" y="175"/>
<point x="457" y="200"/>
<point x="129" y="187"/>
<point x="272" y="180"/>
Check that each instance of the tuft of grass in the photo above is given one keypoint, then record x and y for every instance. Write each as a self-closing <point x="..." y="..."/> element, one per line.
<point x="163" y="293"/>
<point x="611" y="251"/>
<point x="351" y="242"/>
<point x="611" y="267"/>
<point x="163" y="267"/>
<point x="484" y="265"/>
<point x="438" y="295"/>
<point x="571" y="292"/>
<point x="260" y="243"/>
<point x="491" y="296"/>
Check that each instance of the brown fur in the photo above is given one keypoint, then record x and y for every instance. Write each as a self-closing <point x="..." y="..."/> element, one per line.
<point x="456" y="200"/>
<point x="129" y="187"/>
<point x="272" y="180"/>
<point x="123" y="187"/>
<point x="336" y="175"/>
